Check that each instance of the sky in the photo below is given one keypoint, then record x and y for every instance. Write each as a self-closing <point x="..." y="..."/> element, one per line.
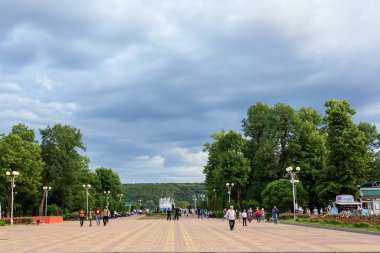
<point x="148" y="82"/>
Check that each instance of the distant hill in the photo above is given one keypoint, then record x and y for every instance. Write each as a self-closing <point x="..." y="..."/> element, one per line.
<point x="180" y="192"/>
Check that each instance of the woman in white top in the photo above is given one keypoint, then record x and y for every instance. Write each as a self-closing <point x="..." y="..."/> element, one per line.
<point x="231" y="216"/>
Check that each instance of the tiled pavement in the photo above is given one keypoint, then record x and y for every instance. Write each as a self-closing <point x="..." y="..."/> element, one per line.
<point x="187" y="234"/>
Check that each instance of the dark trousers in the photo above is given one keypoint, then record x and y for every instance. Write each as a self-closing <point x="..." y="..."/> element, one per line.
<point x="81" y="219"/>
<point x="258" y="218"/>
<point x="232" y="224"/>
<point x="168" y="217"/>
<point x="244" y="221"/>
<point x="105" y="220"/>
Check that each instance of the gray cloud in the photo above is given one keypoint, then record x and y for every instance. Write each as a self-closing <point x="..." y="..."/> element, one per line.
<point x="148" y="82"/>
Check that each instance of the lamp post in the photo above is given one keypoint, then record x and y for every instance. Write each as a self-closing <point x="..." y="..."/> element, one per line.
<point x="120" y="196"/>
<point x="292" y="174"/>
<point x="195" y="202"/>
<point x="202" y="197"/>
<point x="107" y="193"/>
<point x="215" y="200"/>
<point x="87" y="187"/>
<point x="229" y="187"/>
<point x="140" y="204"/>
<point x="46" y="189"/>
<point x="12" y="175"/>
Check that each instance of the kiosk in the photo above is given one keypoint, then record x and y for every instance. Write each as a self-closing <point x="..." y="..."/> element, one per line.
<point x="347" y="204"/>
<point x="370" y="196"/>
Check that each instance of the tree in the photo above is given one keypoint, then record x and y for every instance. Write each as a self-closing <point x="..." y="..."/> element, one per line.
<point x="20" y="152"/>
<point x="348" y="156"/>
<point x="279" y="193"/>
<point x="308" y="150"/>
<point x="227" y="163"/>
<point x="109" y="181"/>
<point x="65" y="169"/>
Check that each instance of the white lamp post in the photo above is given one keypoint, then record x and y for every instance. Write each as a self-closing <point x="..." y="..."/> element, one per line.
<point x="12" y="175"/>
<point x="292" y="174"/>
<point x="140" y="204"/>
<point x="87" y="187"/>
<point x="46" y="189"/>
<point x="202" y="197"/>
<point x="229" y="187"/>
<point x="195" y="202"/>
<point x="107" y="193"/>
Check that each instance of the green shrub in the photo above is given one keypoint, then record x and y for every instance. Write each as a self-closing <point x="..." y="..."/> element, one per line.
<point x="19" y="220"/>
<point x="70" y="216"/>
<point x="2" y="222"/>
<point x="219" y="214"/>
<point x="334" y="222"/>
<point x="362" y="224"/>
<point x="54" y="210"/>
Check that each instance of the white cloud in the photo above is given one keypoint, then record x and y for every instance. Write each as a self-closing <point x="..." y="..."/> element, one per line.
<point x="45" y="82"/>
<point x="10" y="87"/>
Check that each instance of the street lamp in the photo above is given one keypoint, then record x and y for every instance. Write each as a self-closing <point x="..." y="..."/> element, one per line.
<point x="202" y="197"/>
<point x="120" y="196"/>
<point x="46" y="189"/>
<point x="12" y="175"/>
<point x="87" y="187"/>
<point x="140" y="204"/>
<point x="215" y="200"/>
<point x="107" y="193"/>
<point x="292" y="174"/>
<point x="195" y="202"/>
<point x="229" y="187"/>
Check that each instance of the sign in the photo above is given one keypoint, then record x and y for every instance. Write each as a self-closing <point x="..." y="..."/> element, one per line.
<point x="128" y="203"/>
<point x="345" y="198"/>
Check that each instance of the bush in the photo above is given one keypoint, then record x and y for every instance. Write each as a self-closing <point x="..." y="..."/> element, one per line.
<point x="54" y="210"/>
<point x="362" y="224"/>
<point x="2" y="222"/>
<point x="70" y="216"/>
<point x="19" y="220"/>
<point x="219" y="214"/>
<point x="334" y="222"/>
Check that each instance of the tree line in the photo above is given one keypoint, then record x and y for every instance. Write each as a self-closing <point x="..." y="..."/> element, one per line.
<point x="150" y="193"/>
<point x="335" y="156"/>
<point x="57" y="162"/>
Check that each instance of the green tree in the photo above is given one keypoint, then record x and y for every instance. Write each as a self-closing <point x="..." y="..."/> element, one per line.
<point x="65" y="168"/>
<point x="109" y="181"/>
<point x="227" y="163"/>
<point x="279" y="193"/>
<point x="308" y="150"/>
<point x="20" y="152"/>
<point x="348" y="156"/>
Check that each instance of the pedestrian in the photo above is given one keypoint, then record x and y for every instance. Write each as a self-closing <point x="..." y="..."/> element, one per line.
<point x="275" y="213"/>
<point x="168" y="214"/>
<point x="224" y="214"/>
<point x="237" y="214"/>
<point x="81" y="216"/>
<point x="258" y="214"/>
<point x="89" y="216"/>
<point x="105" y="215"/>
<point x="244" y="217"/>
<point x="231" y="216"/>
<point x="250" y="214"/>
<point x="97" y="216"/>
<point x="263" y="214"/>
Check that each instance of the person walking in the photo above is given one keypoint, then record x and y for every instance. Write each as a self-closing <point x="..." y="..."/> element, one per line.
<point x="275" y="213"/>
<point x="89" y="216"/>
<point x="231" y="216"/>
<point x="97" y="216"/>
<point x="250" y="214"/>
<point x="258" y="214"/>
<point x="105" y="215"/>
<point x="263" y="214"/>
<point x="244" y="217"/>
<point x="81" y="216"/>
<point x="168" y="214"/>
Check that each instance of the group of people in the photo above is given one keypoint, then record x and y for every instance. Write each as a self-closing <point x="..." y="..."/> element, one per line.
<point x="231" y="215"/>
<point x="97" y="213"/>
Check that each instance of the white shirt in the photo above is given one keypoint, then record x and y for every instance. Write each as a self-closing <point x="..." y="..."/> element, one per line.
<point x="244" y="214"/>
<point x="231" y="214"/>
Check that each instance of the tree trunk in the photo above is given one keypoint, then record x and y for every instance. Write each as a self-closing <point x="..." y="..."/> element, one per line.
<point x="41" y="208"/>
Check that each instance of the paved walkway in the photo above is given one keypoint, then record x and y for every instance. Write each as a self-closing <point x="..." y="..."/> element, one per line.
<point x="187" y="234"/>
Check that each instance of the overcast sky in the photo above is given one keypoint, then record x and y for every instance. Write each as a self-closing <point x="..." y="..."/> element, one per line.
<point x="147" y="82"/>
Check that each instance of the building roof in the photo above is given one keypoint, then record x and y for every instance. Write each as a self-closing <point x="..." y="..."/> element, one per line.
<point x="374" y="184"/>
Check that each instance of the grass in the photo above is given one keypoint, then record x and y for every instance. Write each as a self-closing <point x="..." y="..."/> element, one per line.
<point x="366" y="227"/>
